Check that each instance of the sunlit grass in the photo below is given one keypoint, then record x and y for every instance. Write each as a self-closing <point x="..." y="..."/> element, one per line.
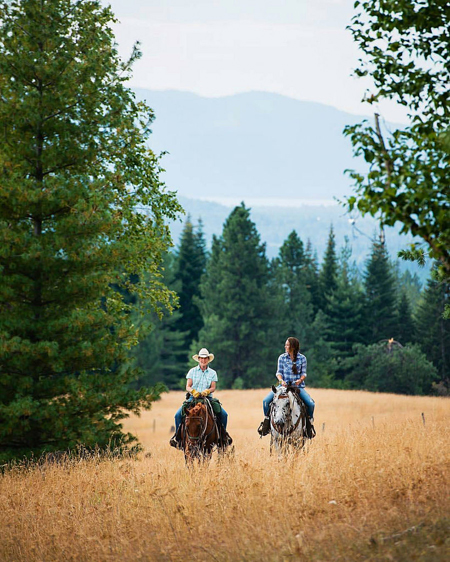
<point x="373" y="472"/>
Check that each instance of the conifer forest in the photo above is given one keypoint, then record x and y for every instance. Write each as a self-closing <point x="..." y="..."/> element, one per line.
<point x="367" y="329"/>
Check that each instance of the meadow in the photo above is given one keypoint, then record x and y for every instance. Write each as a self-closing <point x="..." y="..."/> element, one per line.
<point x="372" y="486"/>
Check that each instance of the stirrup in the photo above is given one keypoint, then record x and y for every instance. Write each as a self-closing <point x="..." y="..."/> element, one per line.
<point x="175" y="440"/>
<point x="227" y="440"/>
<point x="264" y="427"/>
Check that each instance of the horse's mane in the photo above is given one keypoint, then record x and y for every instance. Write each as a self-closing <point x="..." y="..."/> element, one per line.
<point x="196" y="409"/>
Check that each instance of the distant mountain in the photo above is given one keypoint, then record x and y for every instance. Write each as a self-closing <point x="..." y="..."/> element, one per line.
<point x="255" y="144"/>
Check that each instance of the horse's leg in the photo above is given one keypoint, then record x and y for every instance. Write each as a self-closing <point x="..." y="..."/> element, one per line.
<point x="275" y="444"/>
<point x="188" y="459"/>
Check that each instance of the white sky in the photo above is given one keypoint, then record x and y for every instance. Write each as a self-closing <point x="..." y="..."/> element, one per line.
<point x="298" y="48"/>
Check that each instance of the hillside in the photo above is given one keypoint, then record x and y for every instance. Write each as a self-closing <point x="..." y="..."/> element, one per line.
<point x="254" y="144"/>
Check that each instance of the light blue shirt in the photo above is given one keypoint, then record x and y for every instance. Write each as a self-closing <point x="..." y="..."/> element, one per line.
<point x="201" y="380"/>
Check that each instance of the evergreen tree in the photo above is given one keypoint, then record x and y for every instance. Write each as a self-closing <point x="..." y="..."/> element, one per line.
<point x="432" y="330"/>
<point x="236" y="304"/>
<point x="405" y="333"/>
<point x="161" y="356"/>
<point x="380" y="296"/>
<point x="328" y="271"/>
<point x="75" y="174"/>
<point x="319" y="353"/>
<point x="294" y="309"/>
<point x="344" y="318"/>
<point x="190" y="265"/>
<point x="311" y="274"/>
<point x="411" y="285"/>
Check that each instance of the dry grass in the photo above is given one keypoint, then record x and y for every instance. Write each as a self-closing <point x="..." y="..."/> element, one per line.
<point x="373" y="473"/>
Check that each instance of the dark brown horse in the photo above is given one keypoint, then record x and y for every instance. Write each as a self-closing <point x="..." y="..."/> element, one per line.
<point x="201" y="432"/>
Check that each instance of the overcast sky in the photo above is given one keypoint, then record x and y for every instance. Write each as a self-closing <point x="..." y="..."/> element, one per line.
<point x="298" y="48"/>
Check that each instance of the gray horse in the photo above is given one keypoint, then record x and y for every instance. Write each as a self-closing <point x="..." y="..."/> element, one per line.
<point x="287" y="421"/>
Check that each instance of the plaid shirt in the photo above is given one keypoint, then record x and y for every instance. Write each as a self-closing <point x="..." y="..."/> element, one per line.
<point x="285" y="368"/>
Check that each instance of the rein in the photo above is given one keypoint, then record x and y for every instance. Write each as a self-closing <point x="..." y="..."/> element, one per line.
<point x="202" y="437"/>
<point x="292" y="428"/>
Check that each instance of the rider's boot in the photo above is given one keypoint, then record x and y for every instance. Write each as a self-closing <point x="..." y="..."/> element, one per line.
<point x="264" y="427"/>
<point x="311" y="432"/>
<point x="175" y="440"/>
<point x="226" y="437"/>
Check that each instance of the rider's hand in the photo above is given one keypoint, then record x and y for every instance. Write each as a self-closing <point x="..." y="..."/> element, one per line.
<point x="283" y="383"/>
<point x="195" y="393"/>
<point x="206" y="392"/>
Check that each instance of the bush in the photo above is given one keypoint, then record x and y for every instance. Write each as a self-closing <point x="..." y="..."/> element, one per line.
<point x="385" y="367"/>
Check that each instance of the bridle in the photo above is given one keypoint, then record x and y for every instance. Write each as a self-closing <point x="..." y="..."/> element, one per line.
<point x="204" y="424"/>
<point x="291" y="429"/>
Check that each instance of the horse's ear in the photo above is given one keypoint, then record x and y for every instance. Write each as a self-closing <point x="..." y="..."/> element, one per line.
<point x="274" y="390"/>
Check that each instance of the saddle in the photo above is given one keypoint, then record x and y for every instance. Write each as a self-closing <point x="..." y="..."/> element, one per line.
<point x="309" y="428"/>
<point x="188" y="404"/>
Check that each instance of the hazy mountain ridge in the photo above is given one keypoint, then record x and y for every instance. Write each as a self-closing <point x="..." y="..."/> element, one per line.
<point x="255" y="144"/>
<point x="260" y="145"/>
<point x="310" y="221"/>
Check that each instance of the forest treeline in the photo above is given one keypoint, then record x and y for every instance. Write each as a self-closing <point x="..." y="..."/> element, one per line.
<point x="376" y="329"/>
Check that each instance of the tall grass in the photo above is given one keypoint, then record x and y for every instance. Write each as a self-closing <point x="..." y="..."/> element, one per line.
<point x="373" y="485"/>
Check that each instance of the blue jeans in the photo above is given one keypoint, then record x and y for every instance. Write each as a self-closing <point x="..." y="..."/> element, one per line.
<point x="223" y="416"/>
<point x="303" y="395"/>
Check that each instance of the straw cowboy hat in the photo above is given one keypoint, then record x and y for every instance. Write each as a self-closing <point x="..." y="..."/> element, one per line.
<point x="203" y="353"/>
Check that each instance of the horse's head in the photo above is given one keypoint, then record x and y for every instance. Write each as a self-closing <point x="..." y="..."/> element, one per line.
<point x="195" y="420"/>
<point x="281" y="410"/>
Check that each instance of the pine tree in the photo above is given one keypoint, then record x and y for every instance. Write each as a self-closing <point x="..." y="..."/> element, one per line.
<point x="190" y="265"/>
<point x="320" y="355"/>
<point x="311" y="274"/>
<point x="161" y="355"/>
<point x="75" y="178"/>
<point x="236" y="304"/>
<point x="405" y="331"/>
<point x="294" y="309"/>
<point x="432" y="330"/>
<point x="411" y="285"/>
<point x="380" y="318"/>
<point x="328" y="271"/>
<point x="344" y="317"/>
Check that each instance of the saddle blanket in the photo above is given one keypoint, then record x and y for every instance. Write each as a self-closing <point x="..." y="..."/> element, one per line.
<point x="216" y="405"/>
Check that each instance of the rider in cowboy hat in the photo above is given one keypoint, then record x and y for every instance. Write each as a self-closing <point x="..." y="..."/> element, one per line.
<point x="201" y="381"/>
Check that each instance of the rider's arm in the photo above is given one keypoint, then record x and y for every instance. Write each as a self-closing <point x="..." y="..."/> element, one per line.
<point x="212" y="388"/>
<point x="303" y="372"/>
<point x="189" y="386"/>
<point x="279" y="373"/>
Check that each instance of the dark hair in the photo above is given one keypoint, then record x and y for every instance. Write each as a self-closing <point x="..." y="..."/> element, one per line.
<point x="294" y="347"/>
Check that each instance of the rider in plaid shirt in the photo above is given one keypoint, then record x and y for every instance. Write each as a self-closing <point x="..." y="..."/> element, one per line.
<point x="291" y="370"/>
<point x="285" y="369"/>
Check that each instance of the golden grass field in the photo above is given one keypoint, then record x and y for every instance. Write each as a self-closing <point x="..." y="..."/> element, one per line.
<point x="373" y="485"/>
